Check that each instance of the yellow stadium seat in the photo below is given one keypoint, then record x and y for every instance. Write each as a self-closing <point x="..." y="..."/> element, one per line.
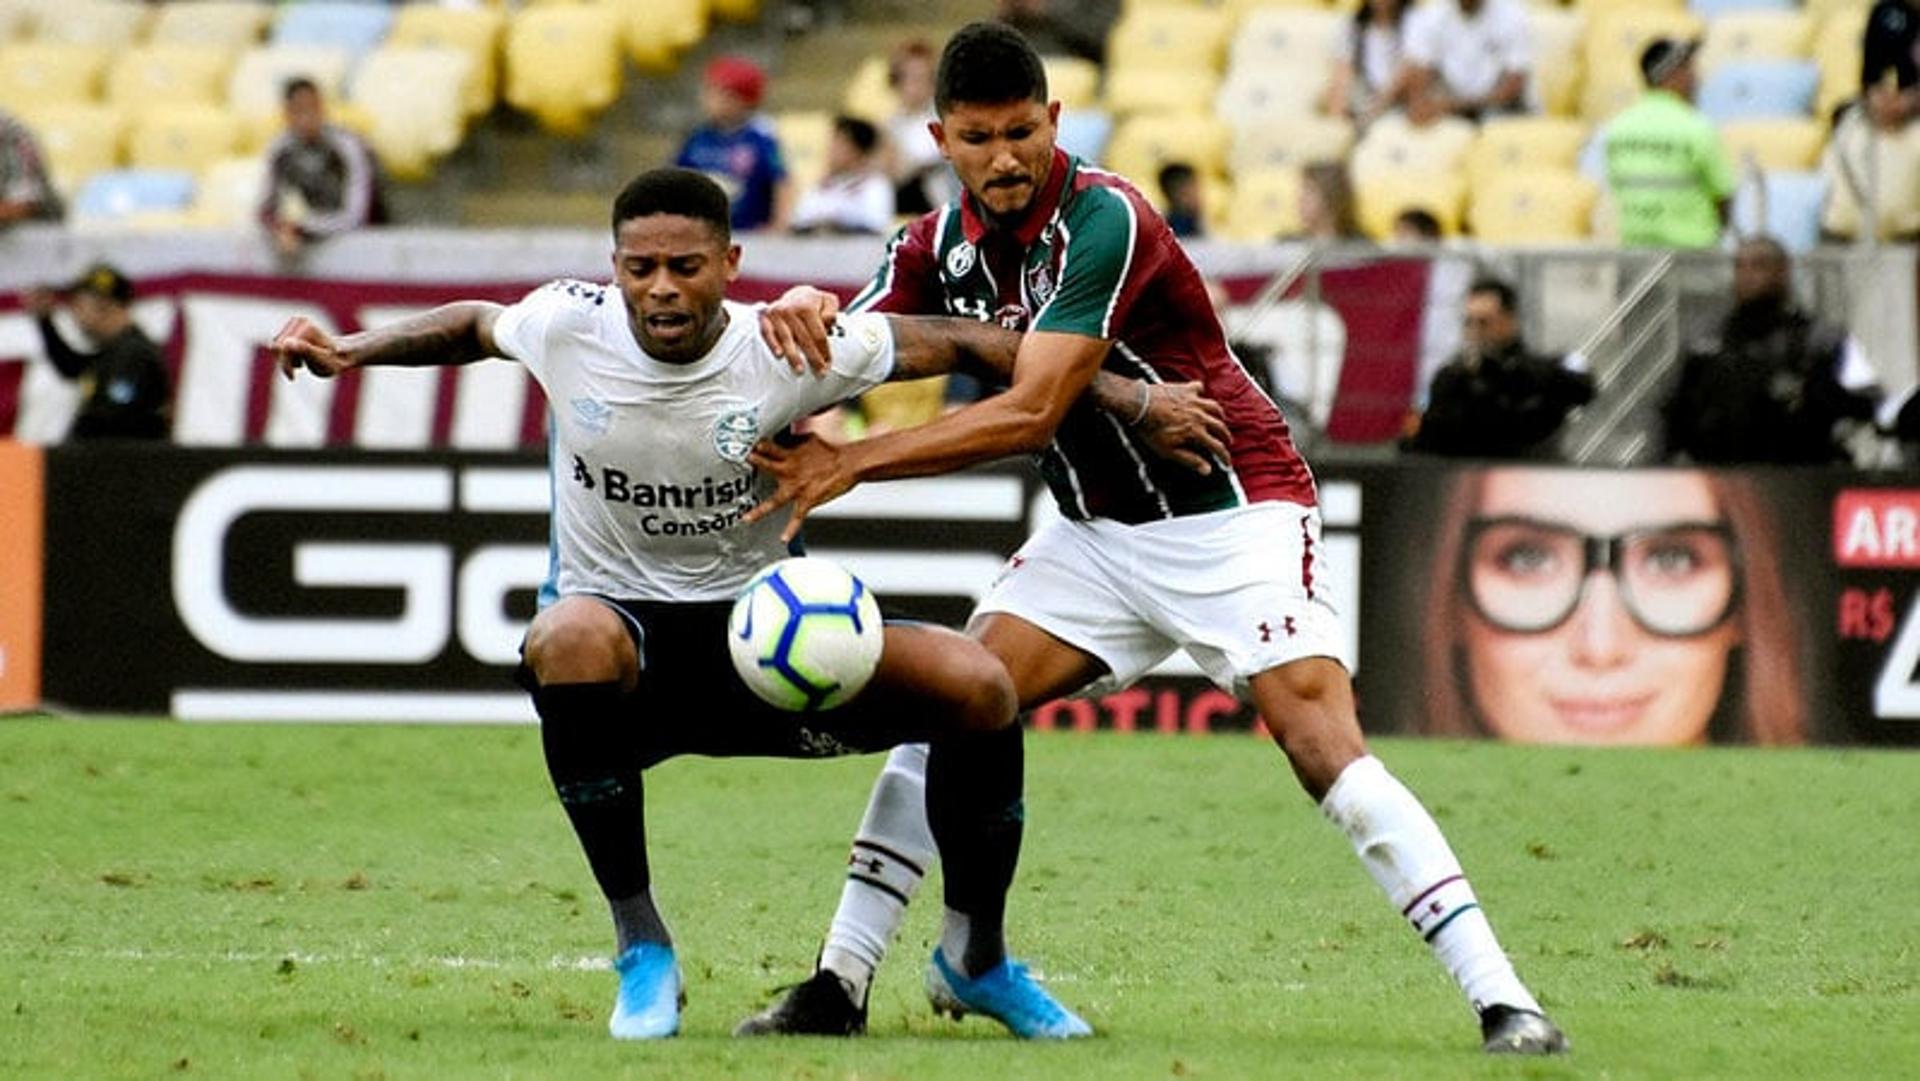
<point x="1290" y="140"/>
<point x="1131" y="91"/>
<point x="657" y="32"/>
<point x="230" y="192"/>
<point x="1258" y="97"/>
<point x="256" y="88"/>
<point x="1533" y="206"/>
<point x="78" y="140"/>
<point x="1755" y="35"/>
<point x="735" y="11"/>
<point x="1238" y="10"/>
<point x="1302" y="41"/>
<point x="803" y="136"/>
<point x="1072" y="81"/>
<point x="1507" y="143"/>
<point x="170" y="75"/>
<point x="1265" y="205"/>
<point x="415" y="97"/>
<point x="867" y="95"/>
<point x="235" y="24"/>
<point x="1382" y="198"/>
<point x="474" y="31"/>
<point x="1791" y="144"/>
<point x="1613" y="50"/>
<point x="1836" y="47"/>
<point x="563" y="65"/>
<point x="94" y="22"/>
<point x="1821" y="10"/>
<point x="1393" y="146"/>
<point x="38" y="73"/>
<point x="184" y="137"/>
<point x="1556" y="34"/>
<point x="16" y="21"/>
<point x="1142" y="144"/>
<point x="1189" y="39"/>
<point x="1599" y="8"/>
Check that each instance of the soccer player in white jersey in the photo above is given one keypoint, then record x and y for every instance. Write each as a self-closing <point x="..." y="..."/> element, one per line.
<point x="659" y="388"/>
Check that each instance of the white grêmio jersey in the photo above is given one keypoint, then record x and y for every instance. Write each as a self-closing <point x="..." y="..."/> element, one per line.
<point x="648" y="459"/>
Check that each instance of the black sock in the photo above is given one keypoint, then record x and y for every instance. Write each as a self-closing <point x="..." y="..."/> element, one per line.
<point x="974" y="786"/>
<point x="597" y="777"/>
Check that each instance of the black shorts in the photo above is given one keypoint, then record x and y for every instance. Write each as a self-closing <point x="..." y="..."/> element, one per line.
<point x="689" y="700"/>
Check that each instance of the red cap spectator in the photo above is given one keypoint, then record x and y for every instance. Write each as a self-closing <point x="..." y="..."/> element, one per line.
<point x="737" y="76"/>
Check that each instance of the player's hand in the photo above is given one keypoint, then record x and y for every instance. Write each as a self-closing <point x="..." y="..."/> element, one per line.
<point x="795" y="328"/>
<point x="807" y="474"/>
<point x="1185" y="425"/>
<point x="301" y="344"/>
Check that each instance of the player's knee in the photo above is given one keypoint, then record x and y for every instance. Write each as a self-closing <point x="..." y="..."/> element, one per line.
<point x="1308" y="707"/>
<point x="986" y="699"/>
<point x="579" y="642"/>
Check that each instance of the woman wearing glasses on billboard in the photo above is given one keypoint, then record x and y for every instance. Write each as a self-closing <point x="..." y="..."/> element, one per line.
<point x="1610" y="607"/>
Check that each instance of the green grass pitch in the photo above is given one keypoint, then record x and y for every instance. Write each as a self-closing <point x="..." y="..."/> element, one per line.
<point x="259" y="902"/>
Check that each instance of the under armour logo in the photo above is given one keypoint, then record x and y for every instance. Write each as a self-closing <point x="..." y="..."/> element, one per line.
<point x="1287" y="625"/>
<point x="870" y="864"/>
<point x="1266" y="632"/>
<point x="1016" y="562"/>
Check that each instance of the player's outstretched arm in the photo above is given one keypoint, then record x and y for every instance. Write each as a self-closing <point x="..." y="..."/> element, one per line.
<point x="457" y="333"/>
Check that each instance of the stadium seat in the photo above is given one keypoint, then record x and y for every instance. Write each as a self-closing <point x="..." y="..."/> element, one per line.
<point x="1072" y="81"/>
<point x="1290" y="139"/>
<point x="1381" y="199"/>
<point x="474" y="31"/>
<point x="804" y="135"/>
<point x="1392" y="145"/>
<point x="1143" y="143"/>
<point x="1237" y="11"/>
<point x="1755" y="89"/>
<point x="234" y="24"/>
<point x="415" y="97"/>
<point x="1612" y="54"/>
<point x="122" y="193"/>
<point x="1785" y="144"/>
<point x="657" y="32"/>
<point x="1555" y="34"/>
<point x="1785" y="206"/>
<point x="1836" y="48"/>
<point x="1719" y="9"/>
<point x="187" y="138"/>
<point x="342" y="24"/>
<point x="1596" y="9"/>
<point x="230" y="192"/>
<point x="1822" y="10"/>
<point x="1532" y="206"/>
<point x="78" y="140"/>
<point x="1265" y="205"/>
<point x="867" y="95"/>
<point x="36" y="73"/>
<point x="1302" y="41"/>
<point x="16" y="21"/>
<point x="563" y="65"/>
<point x="169" y="75"/>
<point x="1085" y="132"/>
<point x="735" y="11"/>
<point x="1135" y="90"/>
<point x="1257" y="97"/>
<point x="93" y="22"/>
<point x="1189" y="39"/>
<point x="257" y="87"/>
<point x="1755" y="35"/>
<point x="1507" y="143"/>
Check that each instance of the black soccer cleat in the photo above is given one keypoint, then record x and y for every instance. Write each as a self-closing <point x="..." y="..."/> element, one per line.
<point x="1509" y="1030"/>
<point x="817" y="1006"/>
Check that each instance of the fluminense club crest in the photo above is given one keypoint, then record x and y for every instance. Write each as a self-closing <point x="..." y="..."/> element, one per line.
<point x="735" y="432"/>
<point x="1040" y="284"/>
<point x="960" y="259"/>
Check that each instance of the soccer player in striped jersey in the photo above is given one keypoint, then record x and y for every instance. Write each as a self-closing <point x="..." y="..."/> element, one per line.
<point x="1149" y="557"/>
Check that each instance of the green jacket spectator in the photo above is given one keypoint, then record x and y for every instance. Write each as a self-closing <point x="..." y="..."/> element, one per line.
<point x="1669" y="177"/>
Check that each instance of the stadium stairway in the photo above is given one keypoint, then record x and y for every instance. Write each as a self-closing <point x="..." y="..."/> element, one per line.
<point x="509" y="173"/>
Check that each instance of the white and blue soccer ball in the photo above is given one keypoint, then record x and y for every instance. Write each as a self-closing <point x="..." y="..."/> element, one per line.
<point x="805" y="635"/>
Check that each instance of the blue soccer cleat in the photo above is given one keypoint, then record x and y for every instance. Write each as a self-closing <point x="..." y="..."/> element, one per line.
<point x="648" y="1006"/>
<point x="1005" y="993"/>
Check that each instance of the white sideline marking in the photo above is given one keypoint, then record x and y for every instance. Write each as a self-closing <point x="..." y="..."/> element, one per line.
<point x="351" y="707"/>
<point x="244" y="957"/>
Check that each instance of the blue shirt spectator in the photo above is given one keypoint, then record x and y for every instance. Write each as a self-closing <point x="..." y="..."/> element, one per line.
<point x="737" y="148"/>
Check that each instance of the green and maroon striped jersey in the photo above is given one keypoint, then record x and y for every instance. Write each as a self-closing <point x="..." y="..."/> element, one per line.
<point x="1092" y="257"/>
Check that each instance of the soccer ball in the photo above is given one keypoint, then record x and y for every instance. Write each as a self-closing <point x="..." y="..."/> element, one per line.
<point x="805" y="635"/>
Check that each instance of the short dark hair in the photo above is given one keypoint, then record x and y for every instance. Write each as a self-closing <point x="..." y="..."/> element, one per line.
<point x="1173" y="174"/>
<point x="1509" y="300"/>
<point x="1421" y="221"/>
<point x="988" y="63"/>
<point x="858" y="132"/>
<point x="682" y="192"/>
<point x="296" y="85"/>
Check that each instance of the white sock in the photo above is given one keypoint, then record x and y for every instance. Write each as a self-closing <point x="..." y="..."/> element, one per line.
<point x="1406" y="854"/>
<point x="891" y="855"/>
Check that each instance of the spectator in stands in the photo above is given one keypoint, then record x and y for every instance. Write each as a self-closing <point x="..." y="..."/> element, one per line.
<point x="1780" y="386"/>
<point x="1414" y="227"/>
<point x="737" y="147"/>
<point x="1369" y="75"/>
<point x="1890" y="63"/>
<point x="921" y="177"/>
<point x="124" y="378"/>
<point x="322" y="180"/>
<point x="1466" y="58"/>
<point x="1327" y="211"/>
<point x="1180" y="187"/>
<point x="26" y="192"/>
<point x="1670" y="179"/>
<point x="1873" y="159"/>
<point x="854" y="196"/>
<point x="1495" y="399"/>
<point x="1070" y="27"/>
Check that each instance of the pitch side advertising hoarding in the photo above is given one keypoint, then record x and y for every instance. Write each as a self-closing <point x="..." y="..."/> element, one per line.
<point x="1660" y="606"/>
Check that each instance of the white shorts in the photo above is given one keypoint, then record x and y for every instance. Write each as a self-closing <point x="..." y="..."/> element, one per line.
<point x="1242" y="590"/>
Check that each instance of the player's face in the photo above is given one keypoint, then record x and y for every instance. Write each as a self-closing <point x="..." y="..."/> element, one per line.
<point x="1002" y="153"/>
<point x="1601" y="674"/>
<point x="673" y="271"/>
